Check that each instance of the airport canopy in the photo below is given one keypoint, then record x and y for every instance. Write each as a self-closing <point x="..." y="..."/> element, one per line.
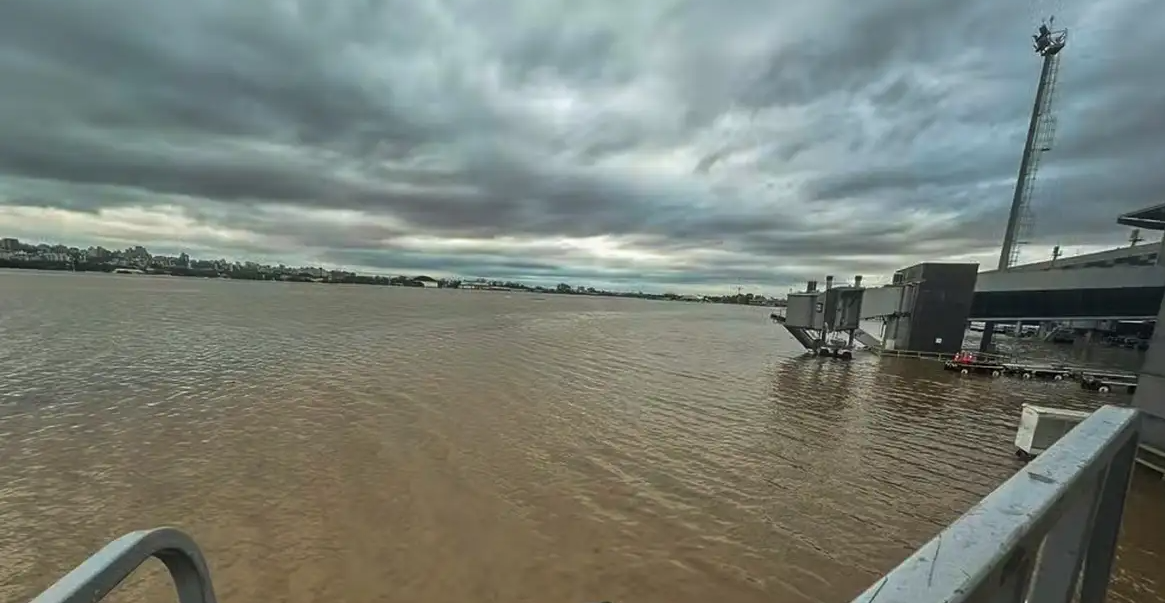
<point x="1151" y="218"/>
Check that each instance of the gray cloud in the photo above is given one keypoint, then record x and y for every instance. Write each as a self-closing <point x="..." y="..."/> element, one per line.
<point x="702" y="142"/>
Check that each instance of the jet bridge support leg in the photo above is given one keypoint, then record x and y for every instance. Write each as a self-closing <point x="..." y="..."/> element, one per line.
<point x="988" y="335"/>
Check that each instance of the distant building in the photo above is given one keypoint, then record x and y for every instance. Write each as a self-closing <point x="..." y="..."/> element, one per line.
<point x="1144" y="254"/>
<point x="137" y="253"/>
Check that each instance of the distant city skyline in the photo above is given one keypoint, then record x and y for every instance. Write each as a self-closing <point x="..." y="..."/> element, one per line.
<point x="15" y="253"/>
<point x="544" y="280"/>
<point x="139" y="256"/>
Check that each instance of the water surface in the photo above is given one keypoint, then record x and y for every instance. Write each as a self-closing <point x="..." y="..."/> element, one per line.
<point x="358" y="443"/>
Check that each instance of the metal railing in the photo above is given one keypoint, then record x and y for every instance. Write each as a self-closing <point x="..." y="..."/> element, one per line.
<point x="98" y="575"/>
<point x="945" y="356"/>
<point x="1045" y="535"/>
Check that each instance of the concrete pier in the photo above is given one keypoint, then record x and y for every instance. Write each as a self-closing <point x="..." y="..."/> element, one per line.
<point x="1150" y="396"/>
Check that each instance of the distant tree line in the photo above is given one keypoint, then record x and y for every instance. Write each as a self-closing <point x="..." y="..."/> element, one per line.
<point x="253" y="274"/>
<point x="60" y="266"/>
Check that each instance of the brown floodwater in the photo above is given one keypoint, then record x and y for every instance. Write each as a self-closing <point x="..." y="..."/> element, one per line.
<point x="358" y="443"/>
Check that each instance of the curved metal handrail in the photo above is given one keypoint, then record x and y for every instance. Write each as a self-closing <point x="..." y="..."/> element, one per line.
<point x="98" y="575"/>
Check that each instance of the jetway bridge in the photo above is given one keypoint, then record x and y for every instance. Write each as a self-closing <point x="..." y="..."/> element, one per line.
<point x="924" y="310"/>
<point x="927" y="307"/>
<point x="1116" y="293"/>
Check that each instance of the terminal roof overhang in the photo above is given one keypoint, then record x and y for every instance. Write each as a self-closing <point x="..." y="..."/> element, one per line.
<point x="1151" y="218"/>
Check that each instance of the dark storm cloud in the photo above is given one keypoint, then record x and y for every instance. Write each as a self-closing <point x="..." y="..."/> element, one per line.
<point x="852" y="49"/>
<point x="786" y="138"/>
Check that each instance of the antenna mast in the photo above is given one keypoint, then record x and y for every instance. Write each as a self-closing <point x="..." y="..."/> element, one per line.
<point x="1040" y="132"/>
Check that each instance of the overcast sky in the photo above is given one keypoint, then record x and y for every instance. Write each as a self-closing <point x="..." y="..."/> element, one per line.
<point x="675" y="144"/>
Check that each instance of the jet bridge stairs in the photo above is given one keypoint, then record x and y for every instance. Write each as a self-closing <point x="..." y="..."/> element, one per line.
<point x="827" y="322"/>
<point x="838" y="343"/>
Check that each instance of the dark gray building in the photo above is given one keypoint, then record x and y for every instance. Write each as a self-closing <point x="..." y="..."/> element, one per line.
<point x="935" y="307"/>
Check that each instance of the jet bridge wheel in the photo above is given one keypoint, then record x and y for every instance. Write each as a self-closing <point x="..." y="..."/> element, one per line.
<point x="845" y="355"/>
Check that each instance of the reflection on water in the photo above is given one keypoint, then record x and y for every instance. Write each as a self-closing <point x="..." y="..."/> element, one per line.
<point x="357" y="443"/>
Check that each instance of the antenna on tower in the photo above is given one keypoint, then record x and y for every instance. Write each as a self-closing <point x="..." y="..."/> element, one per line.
<point x="1047" y="43"/>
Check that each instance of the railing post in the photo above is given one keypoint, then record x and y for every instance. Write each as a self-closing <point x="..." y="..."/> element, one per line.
<point x="1014" y="578"/>
<point x="1062" y="554"/>
<point x="1106" y="529"/>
